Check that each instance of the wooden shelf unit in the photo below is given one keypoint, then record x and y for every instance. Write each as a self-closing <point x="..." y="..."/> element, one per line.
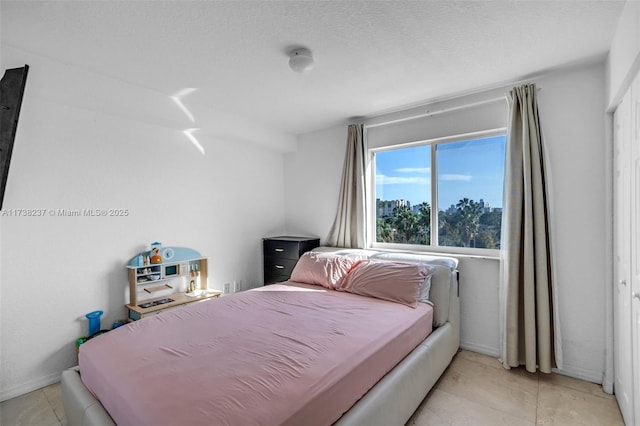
<point x="166" y="282"/>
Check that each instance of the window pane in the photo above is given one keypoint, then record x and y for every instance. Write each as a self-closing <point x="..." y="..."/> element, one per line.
<point x="403" y="191"/>
<point x="470" y="181"/>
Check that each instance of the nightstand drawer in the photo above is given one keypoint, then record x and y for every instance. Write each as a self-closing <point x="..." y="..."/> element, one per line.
<point x="279" y="266"/>
<point x="273" y="278"/>
<point x="281" y="249"/>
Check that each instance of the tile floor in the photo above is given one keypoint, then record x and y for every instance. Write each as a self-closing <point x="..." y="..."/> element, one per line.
<point x="475" y="390"/>
<point x="42" y="407"/>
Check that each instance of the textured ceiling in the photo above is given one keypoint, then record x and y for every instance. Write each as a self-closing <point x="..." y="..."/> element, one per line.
<point x="371" y="57"/>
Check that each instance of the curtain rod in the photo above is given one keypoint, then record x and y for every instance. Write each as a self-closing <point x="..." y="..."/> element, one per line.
<point x="436" y="112"/>
<point x="440" y="111"/>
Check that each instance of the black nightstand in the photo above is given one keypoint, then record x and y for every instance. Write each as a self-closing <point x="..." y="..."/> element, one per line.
<point x="282" y="253"/>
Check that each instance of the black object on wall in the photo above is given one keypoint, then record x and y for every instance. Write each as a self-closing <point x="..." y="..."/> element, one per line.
<point x="11" y="91"/>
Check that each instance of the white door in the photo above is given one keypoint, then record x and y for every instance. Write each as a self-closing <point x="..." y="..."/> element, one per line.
<point x="635" y="248"/>
<point x="622" y="254"/>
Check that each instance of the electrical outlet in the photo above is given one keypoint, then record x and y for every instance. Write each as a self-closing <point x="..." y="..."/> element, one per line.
<point x="227" y="288"/>
<point x="239" y="285"/>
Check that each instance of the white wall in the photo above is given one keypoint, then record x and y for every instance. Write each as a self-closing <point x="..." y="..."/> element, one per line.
<point x="86" y="141"/>
<point x="623" y="62"/>
<point x="572" y="104"/>
<point x="312" y="179"/>
<point x="572" y="110"/>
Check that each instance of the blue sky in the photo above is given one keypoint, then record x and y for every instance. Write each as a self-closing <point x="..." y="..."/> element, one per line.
<point x="473" y="169"/>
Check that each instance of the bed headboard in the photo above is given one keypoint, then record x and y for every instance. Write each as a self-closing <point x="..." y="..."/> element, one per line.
<point x="445" y="272"/>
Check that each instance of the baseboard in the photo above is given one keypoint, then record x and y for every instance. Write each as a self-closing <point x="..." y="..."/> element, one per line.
<point x="607" y="386"/>
<point x="481" y="349"/>
<point x="594" y="376"/>
<point x="29" y="386"/>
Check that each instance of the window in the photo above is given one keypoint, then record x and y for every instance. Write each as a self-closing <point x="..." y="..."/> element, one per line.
<point x="444" y="192"/>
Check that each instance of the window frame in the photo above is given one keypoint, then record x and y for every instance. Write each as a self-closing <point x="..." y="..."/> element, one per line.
<point x="370" y="180"/>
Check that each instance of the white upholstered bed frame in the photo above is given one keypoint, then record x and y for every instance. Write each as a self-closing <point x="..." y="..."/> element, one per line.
<point x="391" y="401"/>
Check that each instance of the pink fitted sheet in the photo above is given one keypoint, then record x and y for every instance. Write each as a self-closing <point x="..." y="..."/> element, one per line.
<point x="285" y="354"/>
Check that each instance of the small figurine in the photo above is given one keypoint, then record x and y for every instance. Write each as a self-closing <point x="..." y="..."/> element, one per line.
<point x="156" y="257"/>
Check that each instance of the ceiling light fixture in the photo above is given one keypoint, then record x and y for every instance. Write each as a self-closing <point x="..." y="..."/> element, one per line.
<point x="300" y="60"/>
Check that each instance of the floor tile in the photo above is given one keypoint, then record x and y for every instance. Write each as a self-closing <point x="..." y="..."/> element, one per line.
<point x="510" y="391"/>
<point x="442" y="408"/>
<point x="570" y="382"/>
<point x="31" y="409"/>
<point x="489" y="361"/>
<point x="54" y="396"/>
<point x="561" y="405"/>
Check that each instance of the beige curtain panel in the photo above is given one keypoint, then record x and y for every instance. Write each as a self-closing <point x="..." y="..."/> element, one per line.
<point x="349" y="227"/>
<point x="527" y="288"/>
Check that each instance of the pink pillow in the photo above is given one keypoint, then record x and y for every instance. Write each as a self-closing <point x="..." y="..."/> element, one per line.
<point x="392" y="281"/>
<point x="325" y="269"/>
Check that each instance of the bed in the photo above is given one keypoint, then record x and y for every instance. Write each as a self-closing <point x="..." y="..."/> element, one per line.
<point x="334" y="356"/>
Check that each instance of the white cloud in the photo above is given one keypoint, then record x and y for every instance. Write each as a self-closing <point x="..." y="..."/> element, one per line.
<point x="465" y="178"/>
<point x="397" y="180"/>
<point x="413" y="170"/>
